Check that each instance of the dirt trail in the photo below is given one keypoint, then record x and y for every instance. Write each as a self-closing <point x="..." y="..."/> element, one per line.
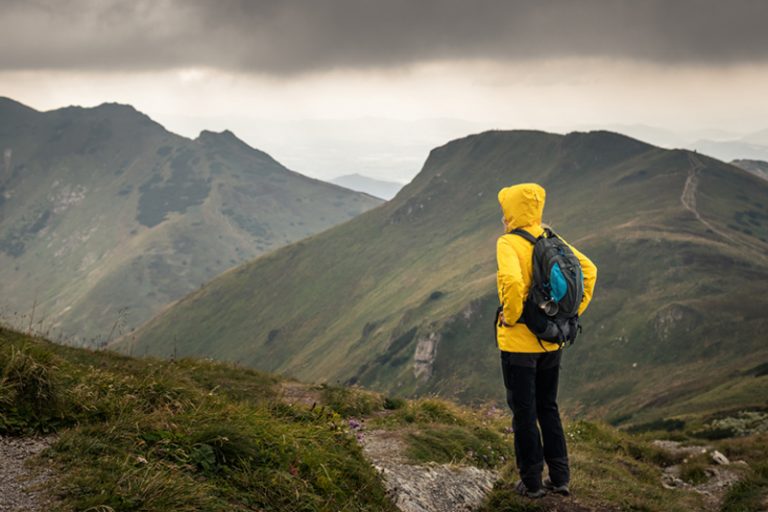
<point x="688" y="200"/>
<point x="688" y="197"/>
<point x="22" y="487"/>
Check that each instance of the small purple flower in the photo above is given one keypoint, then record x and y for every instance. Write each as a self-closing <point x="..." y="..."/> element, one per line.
<point x="354" y="424"/>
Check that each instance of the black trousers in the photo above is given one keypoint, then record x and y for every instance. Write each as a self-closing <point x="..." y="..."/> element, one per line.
<point x="531" y="381"/>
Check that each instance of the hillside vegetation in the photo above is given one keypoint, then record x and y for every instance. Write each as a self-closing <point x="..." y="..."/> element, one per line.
<point x="188" y="435"/>
<point x="401" y="298"/>
<point x="151" y="435"/>
<point x="105" y="217"/>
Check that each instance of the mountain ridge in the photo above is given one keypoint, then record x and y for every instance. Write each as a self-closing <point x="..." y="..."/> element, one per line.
<point x="413" y="288"/>
<point x="105" y="215"/>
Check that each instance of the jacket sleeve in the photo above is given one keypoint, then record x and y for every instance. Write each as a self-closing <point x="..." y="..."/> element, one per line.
<point x="509" y="280"/>
<point x="589" y="270"/>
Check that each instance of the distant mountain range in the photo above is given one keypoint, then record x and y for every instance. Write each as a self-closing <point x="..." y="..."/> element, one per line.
<point x="401" y="298"/>
<point x="106" y="217"/>
<point x="757" y="167"/>
<point x="377" y="188"/>
<point x="728" y="150"/>
<point x="722" y="145"/>
<point x="394" y="150"/>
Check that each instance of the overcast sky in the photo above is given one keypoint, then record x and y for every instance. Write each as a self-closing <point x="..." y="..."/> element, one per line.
<point x="301" y="79"/>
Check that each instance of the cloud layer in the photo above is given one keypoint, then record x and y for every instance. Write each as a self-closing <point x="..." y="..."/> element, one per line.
<point x="298" y="36"/>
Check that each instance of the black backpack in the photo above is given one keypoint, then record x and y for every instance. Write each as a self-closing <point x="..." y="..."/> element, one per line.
<point x="551" y="310"/>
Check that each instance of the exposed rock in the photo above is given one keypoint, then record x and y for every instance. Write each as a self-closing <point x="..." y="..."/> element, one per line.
<point x="424" y="356"/>
<point x="670" y="481"/>
<point x="719" y="458"/>
<point x="429" y="487"/>
<point x="674" y="320"/>
<point x="437" y="487"/>
<point x="719" y="479"/>
<point x="677" y="449"/>
<point x="714" y="489"/>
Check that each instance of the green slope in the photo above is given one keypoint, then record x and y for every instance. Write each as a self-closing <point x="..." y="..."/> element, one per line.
<point x="401" y="298"/>
<point x="193" y="436"/>
<point x="141" y="434"/>
<point x="105" y="216"/>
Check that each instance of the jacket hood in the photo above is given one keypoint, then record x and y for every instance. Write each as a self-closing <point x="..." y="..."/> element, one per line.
<point x="523" y="205"/>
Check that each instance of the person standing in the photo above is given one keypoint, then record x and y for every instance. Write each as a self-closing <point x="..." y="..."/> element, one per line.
<point x="530" y="365"/>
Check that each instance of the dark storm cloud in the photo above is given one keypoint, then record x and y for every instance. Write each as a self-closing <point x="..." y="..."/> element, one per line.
<point x="294" y="36"/>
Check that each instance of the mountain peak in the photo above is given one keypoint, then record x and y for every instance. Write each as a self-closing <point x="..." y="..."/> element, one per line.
<point x="109" y="109"/>
<point x="222" y="136"/>
<point x="117" y="107"/>
<point x="125" y="111"/>
<point x="226" y="138"/>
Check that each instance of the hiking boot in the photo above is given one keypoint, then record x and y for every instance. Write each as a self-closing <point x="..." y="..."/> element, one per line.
<point x="562" y="490"/>
<point x="522" y="490"/>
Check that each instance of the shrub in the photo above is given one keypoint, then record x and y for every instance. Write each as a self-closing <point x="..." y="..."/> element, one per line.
<point x="392" y="404"/>
<point x="351" y="402"/>
<point x="30" y="398"/>
<point x="694" y="470"/>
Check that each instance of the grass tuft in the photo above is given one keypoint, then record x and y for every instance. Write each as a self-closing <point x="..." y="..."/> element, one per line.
<point x="425" y="411"/>
<point x="477" y="446"/>
<point x="351" y="401"/>
<point x="748" y="494"/>
<point x="394" y="403"/>
<point x="30" y="394"/>
<point x="694" y="469"/>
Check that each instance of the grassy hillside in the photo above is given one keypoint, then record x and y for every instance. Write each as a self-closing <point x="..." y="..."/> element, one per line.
<point x="185" y="436"/>
<point x="105" y="216"/>
<point x="401" y="298"/>
<point x="151" y="435"/>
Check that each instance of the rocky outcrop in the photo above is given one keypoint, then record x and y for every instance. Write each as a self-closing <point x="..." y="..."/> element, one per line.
<point x="428" y="487"/>
<point x="674" y="320"/>
<point x="424" y="356"/>
<point x="720" y="476"/>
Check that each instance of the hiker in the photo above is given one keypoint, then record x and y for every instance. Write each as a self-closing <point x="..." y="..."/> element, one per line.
<point x="530" y="364"/>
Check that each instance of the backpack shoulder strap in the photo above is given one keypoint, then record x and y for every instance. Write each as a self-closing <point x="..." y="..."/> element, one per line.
<point x="523" y="233"/>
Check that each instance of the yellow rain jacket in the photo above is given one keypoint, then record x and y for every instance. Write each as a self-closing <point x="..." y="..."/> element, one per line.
<point x="523" y="206"/>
